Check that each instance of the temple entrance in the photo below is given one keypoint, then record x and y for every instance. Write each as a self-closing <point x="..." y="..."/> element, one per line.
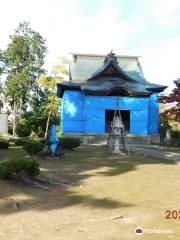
<point x="125" y="114"/>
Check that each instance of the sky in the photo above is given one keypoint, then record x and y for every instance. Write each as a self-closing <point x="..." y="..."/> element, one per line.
<point x="147" y="28"/>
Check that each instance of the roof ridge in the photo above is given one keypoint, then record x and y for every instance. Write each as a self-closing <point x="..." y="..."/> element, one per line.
<point x="104" y="55"/>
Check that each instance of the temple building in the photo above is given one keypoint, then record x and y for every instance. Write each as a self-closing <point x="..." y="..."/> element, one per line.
<point x="95" y="84"/>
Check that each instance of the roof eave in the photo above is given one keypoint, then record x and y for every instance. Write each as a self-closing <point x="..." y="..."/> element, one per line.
<point x="156" y="89"/>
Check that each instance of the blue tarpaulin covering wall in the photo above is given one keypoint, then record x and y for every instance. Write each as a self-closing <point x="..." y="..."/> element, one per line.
<point x="153" y="114"/>
<point x="86" y="114"/>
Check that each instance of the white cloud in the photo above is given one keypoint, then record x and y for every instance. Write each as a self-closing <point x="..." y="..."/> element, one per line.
<point x="66" y="30"/>
<point x="166" y="12"/>
<point x="91" y="35"/>
<point x="161" y="65"/>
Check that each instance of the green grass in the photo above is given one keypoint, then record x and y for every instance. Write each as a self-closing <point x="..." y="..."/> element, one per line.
<point x="140" y="189"/>
<point x="175" y="151"/>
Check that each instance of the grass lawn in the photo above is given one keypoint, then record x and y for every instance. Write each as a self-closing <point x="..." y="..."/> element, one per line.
<point x="172" y="149"/>
<point x="175" y="151"/>
<point x="111" y="196"/>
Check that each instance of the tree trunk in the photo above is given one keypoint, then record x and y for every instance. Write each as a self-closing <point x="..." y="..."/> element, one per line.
<point x="20" y="110"/>
<point x="14" y="119"/>
<point x="47" y="125"/>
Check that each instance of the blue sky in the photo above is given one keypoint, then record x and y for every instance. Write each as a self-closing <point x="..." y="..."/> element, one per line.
<point x="148" y="28"/>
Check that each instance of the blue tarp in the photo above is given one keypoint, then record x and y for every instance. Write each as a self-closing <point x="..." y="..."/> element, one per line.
<point x="153" y="118"/>
<point x="86" y="114"/>
<point x="72" y="112"/>
<point x="139" y="122"/>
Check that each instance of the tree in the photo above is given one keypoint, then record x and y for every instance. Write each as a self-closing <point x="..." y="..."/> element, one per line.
<point x="1" y="84"/>
<point x="1" y="63"/>
<point x="24" y="58"/>
<point x="1" y="96"/>
<point x="49" y="83"/>
<point x="44" y="105"/>
<point x="173" y="98"/>
<point x="37" y="115"/>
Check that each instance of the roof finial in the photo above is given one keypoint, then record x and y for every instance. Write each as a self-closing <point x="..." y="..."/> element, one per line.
<point x="111" y="56"/>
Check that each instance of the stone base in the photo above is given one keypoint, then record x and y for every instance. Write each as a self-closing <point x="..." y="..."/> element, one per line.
<point x="118" y="152"/>
<point x="102" y="138"/>
<point x="54" y="158"/>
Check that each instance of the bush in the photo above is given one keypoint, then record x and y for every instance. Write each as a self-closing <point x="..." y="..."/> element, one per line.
<point x="175" y="137"/>
<point x="15" y="168"/>
<point x="70" y="142"/>
<point x="175" y="134"/>
<point x="23" y="128"/>
<point x="65" y="142"/>
<point x="33" y="147"/>
<point x="22" y="141"/>
<point x="40" y="132"/>
<point x="45" y="142"/>
<point x="4" y="144"/>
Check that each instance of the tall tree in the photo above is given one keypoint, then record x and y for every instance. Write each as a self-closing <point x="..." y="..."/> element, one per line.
<point x="1" y="97"/>
<point x="1" y="62"/>
<point x="1" y="84"/>
<point x="49" y="84"/>
<point x="24" y="59"/>
<point x="173" y="98"/>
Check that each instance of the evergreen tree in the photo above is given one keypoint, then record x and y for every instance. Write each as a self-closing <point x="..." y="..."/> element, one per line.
<point x="1" y="84"/>
<point x="24" y="59"/>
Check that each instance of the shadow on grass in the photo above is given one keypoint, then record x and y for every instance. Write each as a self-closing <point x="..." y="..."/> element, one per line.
<point x="77" y="166"/>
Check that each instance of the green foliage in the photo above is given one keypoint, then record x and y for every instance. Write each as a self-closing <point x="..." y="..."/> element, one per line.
<point x="38" y="121"/>
<point x="175" y="137"/>
<point x="10" y="127"/>
<point x="15" y="168"/>
<point x="1" y="62"/>
<point x="175" y="134"/>
<point x="45" y="142"/>
<point x="22" y="141"/>
<point x="49" y="84"/>
<point x="65" y="142"/>
<point x="23" y="128"/>
<point x="1" y="83"/>
<point x="44" y="102"/>
<point x="4" y="144"/>
<point x="70" y="142"/>
<point x="33" y="147"/>
<point x="163" y="125"/>
<point x="24" y="58"/>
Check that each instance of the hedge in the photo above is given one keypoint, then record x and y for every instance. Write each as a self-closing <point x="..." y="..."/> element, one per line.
<point x="4" y="144"/>
<point x="23" y="128"/>
<point x="15" y="168"/>
<point x="70" y="142"/>
<point x="175" y="137"/>
<point x="22" y="141"/>
<point x="33" y="147"/>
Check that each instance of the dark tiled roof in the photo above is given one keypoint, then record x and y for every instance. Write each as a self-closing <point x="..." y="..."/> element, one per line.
<point x="111" y="79"/>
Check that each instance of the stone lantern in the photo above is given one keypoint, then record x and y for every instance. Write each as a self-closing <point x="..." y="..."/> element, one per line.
<point x="117" y="138"/>
<point x="117" y="129"/>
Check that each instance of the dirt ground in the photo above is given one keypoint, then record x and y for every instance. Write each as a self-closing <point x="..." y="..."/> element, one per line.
<point x="109" y="197"/>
